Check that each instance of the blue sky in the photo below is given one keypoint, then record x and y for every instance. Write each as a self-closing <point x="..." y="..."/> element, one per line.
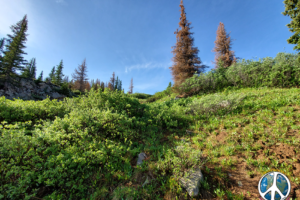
<point x="133" y="38"/>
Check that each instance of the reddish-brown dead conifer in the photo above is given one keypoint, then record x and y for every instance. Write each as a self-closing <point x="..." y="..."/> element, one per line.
<point x="131" y="87"/>
<point x="186" y="60"/>
<point x="80" y="76"/>
<point x="223" y="48"/>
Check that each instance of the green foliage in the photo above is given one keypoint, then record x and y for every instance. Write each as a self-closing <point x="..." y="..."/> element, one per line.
<point x="40" y="78"/>
<point x="37" y="97"/>
<point x="58" y="76"/>
<point x="30" y="70"/>
<point x="70" y="147"/>
<point x="160" y="95"/>
<point x="292" y="9"/>
<point x="13" y="59"/>
<point x="140" y="95"/>
<point x="282" y="71"/>
<point x="52" y="75"/>
<point x="82" y="147"/>
<point x="64" y="89"/>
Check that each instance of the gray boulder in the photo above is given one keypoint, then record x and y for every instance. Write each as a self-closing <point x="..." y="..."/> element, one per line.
<point x="192" y="182"/>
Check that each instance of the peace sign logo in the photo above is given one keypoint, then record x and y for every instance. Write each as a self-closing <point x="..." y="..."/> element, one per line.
<point x="274" y="186"/>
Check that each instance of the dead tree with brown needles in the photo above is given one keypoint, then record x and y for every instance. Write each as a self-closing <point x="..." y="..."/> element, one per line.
<point x="131" y="87"/>
<point x="186" y="60"/>
<point x="80" y="76"/>
<point x="223" y="48"/>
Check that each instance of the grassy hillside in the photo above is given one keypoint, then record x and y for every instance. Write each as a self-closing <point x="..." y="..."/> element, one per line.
<point x="87" y="147"/>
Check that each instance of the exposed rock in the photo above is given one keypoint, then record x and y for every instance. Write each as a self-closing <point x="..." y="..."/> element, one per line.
<point x="192" y="182"/>
<point x="141" y="157"/>
<point x="29" y="90"/>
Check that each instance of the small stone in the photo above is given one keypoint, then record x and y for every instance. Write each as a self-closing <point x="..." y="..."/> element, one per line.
<point x="141" y="157"/>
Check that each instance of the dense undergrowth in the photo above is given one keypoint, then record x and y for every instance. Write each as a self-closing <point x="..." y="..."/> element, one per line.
<point x="86" y="147"/>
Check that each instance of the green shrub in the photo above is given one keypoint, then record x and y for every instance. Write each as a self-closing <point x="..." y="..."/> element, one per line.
<point x="141" y="95"/>
<point x="282" y="71"/>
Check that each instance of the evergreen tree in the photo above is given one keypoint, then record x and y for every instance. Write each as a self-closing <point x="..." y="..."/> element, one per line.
<point x="52" y="75"/>
<point x="40" y="78"/>
<point x="80" y="76"/>
<point x="13" y="59"/>
<point x="185" y="59"/>
<point x="93" y="84"/>
<point x="120" y="85"/>
<point x="292" y="9"/>
<point x="116" y="84"/>
<point x="222" y="48"/>
<point x="97" y="84"/>
<point x="66" y="79"/>
<point x="33" y="69"/>
<point x="30" y="70"/>
<point x="170" y="85"/>
<point x="2" y="41"/>
<point x="111" y="84"/>
<point x="58" y="74"/>
<point x="102" y="86"/>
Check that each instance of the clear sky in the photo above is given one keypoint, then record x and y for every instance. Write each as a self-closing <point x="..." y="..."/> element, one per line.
<point x="133" y="38"/>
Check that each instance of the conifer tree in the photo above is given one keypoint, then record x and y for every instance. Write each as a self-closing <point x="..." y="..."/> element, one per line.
<point x="102" y="86"/>
<point x="87" y="86"/>
<point x="30" y="70"/>
<point x="223" y="48"/>
<point x="111" y="84"/>
<point x="40" y="78"/>
<point x="13" y="59"/>
<point x="116" y="83"/>
<point x="66" y="79"/>
<point x="120" y="85"/>
<point x="131" y="87"/>
<point x="292" y="9"/>
<point x="52" y="75"/>
<point x="93" y="84"/>
<point x="186" y="60"/>
<point x="2" y="41"/>
<point x="80" y="75"/>
<point x="98" y="83"/>
<point x="58" y="74"/>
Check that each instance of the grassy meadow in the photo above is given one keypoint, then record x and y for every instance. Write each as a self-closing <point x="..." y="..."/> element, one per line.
<point x="86" y="147"/>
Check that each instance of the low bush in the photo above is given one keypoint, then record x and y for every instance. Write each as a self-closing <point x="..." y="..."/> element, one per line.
<point x="282" y="71"/>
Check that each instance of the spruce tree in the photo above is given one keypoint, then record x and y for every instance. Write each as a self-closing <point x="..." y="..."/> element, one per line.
<point x="52" y="75"/>
<point x="116" y="84"/>
<point x="80" y="76"/>
<point x="120" y="85"/>
<point x="222" y="48"/>
<point x="111" y="84"/>
<point x="292" y="9"/>
<point x="13" y="59"/>
<point x="97" y="84"/>
<point x="2" y="41"/>
<point x="185" y="59"/>
<point x="102" y="86"/>
<point x="30" y="70"/>
<point x="40" y="78"/>
<point x="33" y="69"/>
<point x="92" y="84"/>
<point x="58" y="74"/>
<point x="66" y="79"/>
